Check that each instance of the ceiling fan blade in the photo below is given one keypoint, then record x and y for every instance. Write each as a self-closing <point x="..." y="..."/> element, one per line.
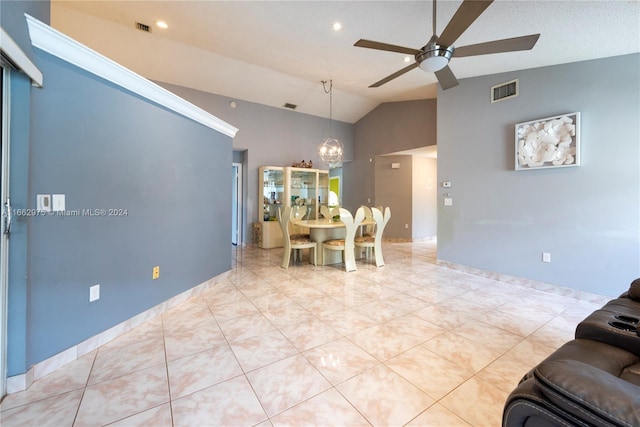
<point x="497" y="46"/>
<point x="384" y="46"/>
<point x="394" y="75"/>
<point x="446" y="78"/>
<point x="468" y="12"/>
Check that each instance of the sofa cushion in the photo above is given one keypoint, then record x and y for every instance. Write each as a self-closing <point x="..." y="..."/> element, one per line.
<point x="589" y="393"/>
<point x="527" y="406"/>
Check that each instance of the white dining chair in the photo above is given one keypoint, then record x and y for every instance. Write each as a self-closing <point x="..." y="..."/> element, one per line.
<point x="298" y="213"/>
<point x="370" y="229"/>
<point x="295" y="243"/>
<point x="346" y="245"/>
<point x="375" y="242"/>
<point x="325" y="212"/>
<point x="328" y="213"/>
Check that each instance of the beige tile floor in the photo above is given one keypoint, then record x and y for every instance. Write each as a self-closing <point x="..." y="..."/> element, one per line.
<point x="411" y="343"/>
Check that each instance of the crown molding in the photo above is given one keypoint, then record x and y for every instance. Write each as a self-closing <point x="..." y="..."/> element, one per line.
<point x="10" y="49"/>
<point x="57" y="44"/>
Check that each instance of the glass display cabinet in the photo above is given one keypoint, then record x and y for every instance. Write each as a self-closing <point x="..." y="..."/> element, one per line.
<point x="272" y="189"/>
<point x="323" y="189"/>
<point x="302" y="185"/>
<point x="287" y="186"/>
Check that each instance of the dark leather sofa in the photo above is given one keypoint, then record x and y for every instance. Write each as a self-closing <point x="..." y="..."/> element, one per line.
<point x="593" y="380"/>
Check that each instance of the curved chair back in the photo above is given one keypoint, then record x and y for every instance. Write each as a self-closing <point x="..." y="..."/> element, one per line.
<point x="329" y="213"/>
<point x="299" y="212"/>
<point x="367" y="212"/>
<point x="351" y="223"/>
<point x="284" y="216"/>
<point x="299" y="242"/>
<point x="381" y="222"/>
<point x="325" y="212"/>
<point x="368" y="230"/>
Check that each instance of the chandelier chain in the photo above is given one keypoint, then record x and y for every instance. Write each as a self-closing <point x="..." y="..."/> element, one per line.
<point x="330" y="92"/>
<point x="331" y="150"/>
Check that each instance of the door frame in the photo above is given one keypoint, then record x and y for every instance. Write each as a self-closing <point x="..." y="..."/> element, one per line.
<point x="237" y="204"/>
<point x="4" y="233"/>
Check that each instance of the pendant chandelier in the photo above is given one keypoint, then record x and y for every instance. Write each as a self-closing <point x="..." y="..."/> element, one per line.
<point x="331" y="150"/>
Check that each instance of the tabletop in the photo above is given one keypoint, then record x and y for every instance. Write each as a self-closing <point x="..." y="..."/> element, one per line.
<point x="325" y="223"/>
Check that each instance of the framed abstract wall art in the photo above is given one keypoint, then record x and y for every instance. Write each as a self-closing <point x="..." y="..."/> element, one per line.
<point x="552" y="142"/>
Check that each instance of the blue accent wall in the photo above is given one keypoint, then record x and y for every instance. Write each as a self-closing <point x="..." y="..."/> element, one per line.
<point x="105" y="148"/>
<point x="12" y="19"/>
<point x="13" y="22"/>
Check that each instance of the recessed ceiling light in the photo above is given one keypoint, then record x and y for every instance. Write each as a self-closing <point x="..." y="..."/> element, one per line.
<point x="407" y="59"/>
<point x="162" y="24"/>
<point x="337" y="26"/>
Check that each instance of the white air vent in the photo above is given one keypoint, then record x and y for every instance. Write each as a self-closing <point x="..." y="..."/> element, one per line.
<point x="504" y="91"/>
<point x="143" y="27"/>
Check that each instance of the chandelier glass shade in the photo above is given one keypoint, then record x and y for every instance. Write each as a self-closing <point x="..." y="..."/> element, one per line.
<point x="331" y="150"/>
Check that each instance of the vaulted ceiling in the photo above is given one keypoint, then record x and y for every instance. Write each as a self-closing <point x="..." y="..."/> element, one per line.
<point x="277" y="52"/>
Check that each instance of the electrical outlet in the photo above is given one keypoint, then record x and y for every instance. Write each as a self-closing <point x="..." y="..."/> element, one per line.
<point x="94" y="293"/>
<point x="546" y="257"/>
<point x="156" y="272"/>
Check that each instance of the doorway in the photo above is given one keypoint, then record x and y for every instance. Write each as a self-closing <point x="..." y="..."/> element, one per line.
<point x="236" y="204"/>
<point x="5" y="223"/>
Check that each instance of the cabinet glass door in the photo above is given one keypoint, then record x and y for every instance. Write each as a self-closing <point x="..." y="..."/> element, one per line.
<point x="323" y="188"/>
<point x="272" y="192"/>
<point x="303" y="190"/>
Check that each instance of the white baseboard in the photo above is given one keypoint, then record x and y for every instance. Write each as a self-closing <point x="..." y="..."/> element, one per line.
<point x="21" y="382"/>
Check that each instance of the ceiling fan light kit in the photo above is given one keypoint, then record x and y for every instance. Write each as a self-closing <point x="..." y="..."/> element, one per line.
<point x="433" y="57"/>
<point x="436" y="54"/>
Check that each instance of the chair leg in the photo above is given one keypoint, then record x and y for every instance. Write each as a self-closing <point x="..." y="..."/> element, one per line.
<point x="349" y="259"/>
<point x="285" y="259"/>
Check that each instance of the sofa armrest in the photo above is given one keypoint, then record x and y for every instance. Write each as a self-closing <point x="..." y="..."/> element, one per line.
<point x="589" y="393"/>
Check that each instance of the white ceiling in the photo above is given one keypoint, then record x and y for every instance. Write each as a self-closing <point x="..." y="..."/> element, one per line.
<point x="273" y="52"/>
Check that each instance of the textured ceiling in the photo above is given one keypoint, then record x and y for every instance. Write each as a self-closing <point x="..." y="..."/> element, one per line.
<point x="274" y="52"/>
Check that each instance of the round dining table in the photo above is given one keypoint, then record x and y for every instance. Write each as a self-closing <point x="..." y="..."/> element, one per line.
<point x="322" y="230"/>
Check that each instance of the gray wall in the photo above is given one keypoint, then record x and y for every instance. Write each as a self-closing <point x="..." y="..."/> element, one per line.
<point x="271" y="136"/>
<point x="587" y="217"/>
<point x="369" y="179"/>
<point x="391" y="127"/>
<point x="394" y="189"/>
<point x="424" y="198"/>
<point x="104" y="148"/>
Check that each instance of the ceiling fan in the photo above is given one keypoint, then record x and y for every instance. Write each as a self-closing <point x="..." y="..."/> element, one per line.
<point x="435" y="55"/>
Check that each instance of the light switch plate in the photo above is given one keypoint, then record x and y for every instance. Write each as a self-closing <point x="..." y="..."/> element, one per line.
<point x="58" y="202"/>
<point x="448" y="201"/>
<point x="43" y="202"/>
<point x="94" y="293"/>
